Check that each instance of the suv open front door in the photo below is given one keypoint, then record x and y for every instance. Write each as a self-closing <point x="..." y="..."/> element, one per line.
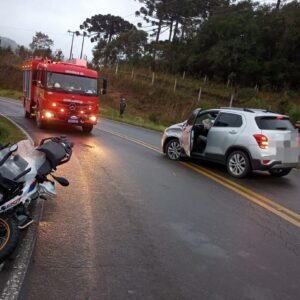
<point x="187" y="139"/>
<point x="188" y="133"/>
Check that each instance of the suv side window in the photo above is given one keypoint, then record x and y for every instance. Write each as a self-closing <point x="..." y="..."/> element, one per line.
<point x="228" y="120"/>
<point x="211" y="116"/>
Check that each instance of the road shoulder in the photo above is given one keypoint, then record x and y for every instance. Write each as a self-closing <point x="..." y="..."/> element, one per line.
<point x="13" y="271"/>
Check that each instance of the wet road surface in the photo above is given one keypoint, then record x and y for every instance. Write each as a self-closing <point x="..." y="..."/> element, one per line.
<point x="133" y="225"/>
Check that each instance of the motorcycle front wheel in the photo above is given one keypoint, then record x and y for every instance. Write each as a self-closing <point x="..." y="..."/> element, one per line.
<point x="9" y="236"/>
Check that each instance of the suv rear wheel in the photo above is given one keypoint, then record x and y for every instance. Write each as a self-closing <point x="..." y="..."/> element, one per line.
<point x="280" y="172"/>
<point x="238" y="164"/>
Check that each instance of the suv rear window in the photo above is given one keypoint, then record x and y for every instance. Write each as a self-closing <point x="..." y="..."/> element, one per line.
<point x="274" y="123"/>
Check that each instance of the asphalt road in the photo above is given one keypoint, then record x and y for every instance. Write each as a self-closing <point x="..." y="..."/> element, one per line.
<point x="134" y="225"/>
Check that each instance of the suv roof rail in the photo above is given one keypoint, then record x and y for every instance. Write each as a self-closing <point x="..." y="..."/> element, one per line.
<point x="267" y="110"/>
<point x="252" y="110"/>
<point x="238" y="108"/>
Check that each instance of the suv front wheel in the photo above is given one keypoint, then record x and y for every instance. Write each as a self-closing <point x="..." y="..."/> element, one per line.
<point x="173" y="149"/>
<point x="238" y="164"/>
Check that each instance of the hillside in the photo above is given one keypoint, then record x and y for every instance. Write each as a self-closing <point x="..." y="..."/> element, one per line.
<point x="8" y="43"/>
<point x="163" y="102"/>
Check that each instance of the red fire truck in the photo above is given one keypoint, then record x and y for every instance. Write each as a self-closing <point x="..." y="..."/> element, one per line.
<point x="65" y="92"/>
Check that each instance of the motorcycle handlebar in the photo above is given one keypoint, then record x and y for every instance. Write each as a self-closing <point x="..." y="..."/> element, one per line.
<point x="61" y="139"/>
<point x="57" y="139"/>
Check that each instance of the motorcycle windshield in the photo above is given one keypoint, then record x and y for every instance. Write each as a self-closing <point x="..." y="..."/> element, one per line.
<point x="25" y="157"/>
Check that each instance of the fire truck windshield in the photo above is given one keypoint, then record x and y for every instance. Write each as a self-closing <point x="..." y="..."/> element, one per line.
<point x="72" y="83"/>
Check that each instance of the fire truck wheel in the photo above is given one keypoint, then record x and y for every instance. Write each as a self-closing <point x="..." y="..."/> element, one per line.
<point x="87" y="128"/>
<point x="27" y="114"/>
<point x="39" y="122"/>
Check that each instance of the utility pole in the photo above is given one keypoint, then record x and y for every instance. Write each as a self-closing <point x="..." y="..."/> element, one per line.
<point x="83" y="36"/>
<point x="73" y="33"/>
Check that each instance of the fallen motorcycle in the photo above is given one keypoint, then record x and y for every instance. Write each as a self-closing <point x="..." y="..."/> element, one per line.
<point x="25" y="177"/>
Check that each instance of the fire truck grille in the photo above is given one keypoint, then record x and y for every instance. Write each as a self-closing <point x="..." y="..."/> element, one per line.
<point x="74" y="107"/>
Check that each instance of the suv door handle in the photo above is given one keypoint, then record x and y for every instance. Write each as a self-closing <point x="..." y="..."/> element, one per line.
<point x="233" y="132"/>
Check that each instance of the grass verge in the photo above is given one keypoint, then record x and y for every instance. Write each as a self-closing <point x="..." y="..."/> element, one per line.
<point x="113" y="114"/>
<point x="11" y="94"/>
<point x="167" y="103"/>
<point x="9" y="133"/>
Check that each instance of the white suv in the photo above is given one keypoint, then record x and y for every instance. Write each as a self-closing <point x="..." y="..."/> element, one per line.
<point x="243" y="139"/>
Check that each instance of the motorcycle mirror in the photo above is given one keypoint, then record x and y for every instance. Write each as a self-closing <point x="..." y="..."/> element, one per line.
<point x="61" y="180"/>
<point x="13" y="148"/>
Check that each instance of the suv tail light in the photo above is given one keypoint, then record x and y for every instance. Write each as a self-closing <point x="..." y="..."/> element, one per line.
<point x="262" y="141"/>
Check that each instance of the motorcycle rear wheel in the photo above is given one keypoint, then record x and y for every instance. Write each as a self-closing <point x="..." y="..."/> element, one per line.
<point x="9" y="236"/>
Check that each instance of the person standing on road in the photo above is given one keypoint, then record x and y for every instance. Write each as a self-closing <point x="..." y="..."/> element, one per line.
<point x="123" y="106"/>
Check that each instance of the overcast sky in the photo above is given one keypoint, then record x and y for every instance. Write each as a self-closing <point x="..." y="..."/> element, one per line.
<point x="20" y="19"/>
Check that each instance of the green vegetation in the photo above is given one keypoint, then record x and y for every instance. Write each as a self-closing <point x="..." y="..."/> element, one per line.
<point x="129" y="118"/>
<point x="159" y="103"/>
<point x="9" y="133"/>
<point x="240" y="50"/>
<point x="240" y="43"/>
<point x="245" y="50"/>
<point x="11" y="94"/>
<point x="41" y="45"/>
<point x="10" y="72"/>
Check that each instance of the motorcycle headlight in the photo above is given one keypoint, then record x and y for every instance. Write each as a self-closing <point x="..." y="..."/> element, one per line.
<point x="47" y="188"/>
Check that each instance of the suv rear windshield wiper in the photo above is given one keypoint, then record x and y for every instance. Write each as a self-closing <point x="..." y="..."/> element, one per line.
<point x="281" y="128"/>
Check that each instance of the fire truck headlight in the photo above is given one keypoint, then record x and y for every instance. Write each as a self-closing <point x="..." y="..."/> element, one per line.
<point x="93" y="118"/>
<point x="49" y="115"/>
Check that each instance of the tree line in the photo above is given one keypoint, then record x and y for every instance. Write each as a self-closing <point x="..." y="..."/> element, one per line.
<point x="239" y="43"/>
<point x="243" y="43"/>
